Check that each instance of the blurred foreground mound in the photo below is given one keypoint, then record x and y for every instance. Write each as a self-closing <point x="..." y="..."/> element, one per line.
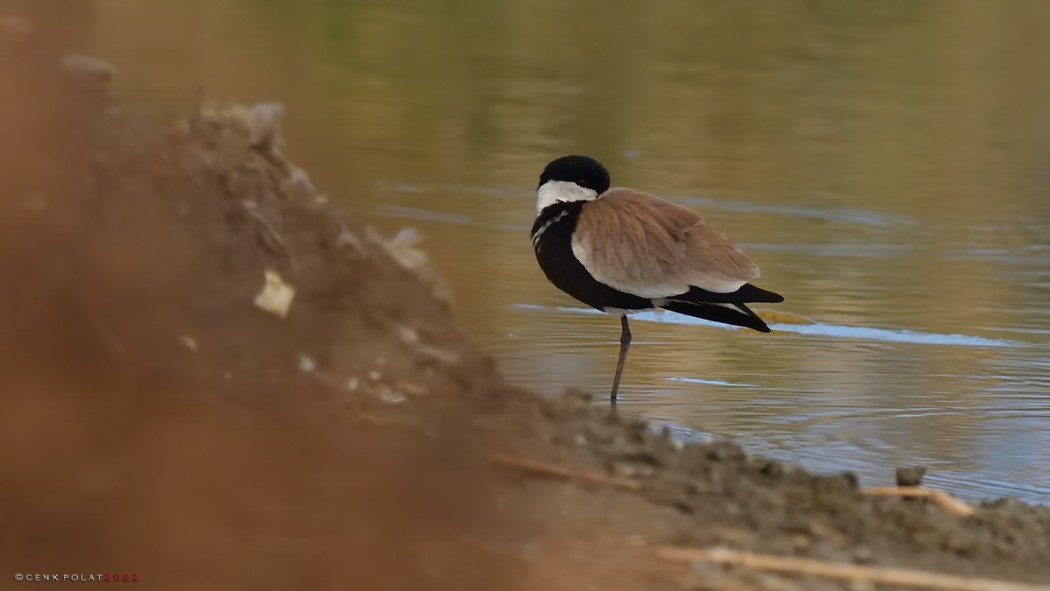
<point x="164" y="418"/>
<point x="213" y="379"/>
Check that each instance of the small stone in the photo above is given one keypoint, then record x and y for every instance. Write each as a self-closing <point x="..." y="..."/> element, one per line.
<point x="298" y="182"/>
<point x="348" y="238"/>
<point x="443" y="355"/>
<point x="264" y="126"/>
<point x="413" y="389"/>
<point x="276" y="295"/>
<point x="770" y="469"/>
<point x="408" y="334"/>
<point x="801" y="541"/>
<point x="862" y="554"/>
<point x="89" y="67"/>
<point x="188" y="342"/>
<point x="307" y="364"/>
<point x="910" y="475"/>
<point x="390" y="396"/>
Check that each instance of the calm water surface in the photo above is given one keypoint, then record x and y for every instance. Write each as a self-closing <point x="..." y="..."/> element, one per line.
<point x="887" y="164"/>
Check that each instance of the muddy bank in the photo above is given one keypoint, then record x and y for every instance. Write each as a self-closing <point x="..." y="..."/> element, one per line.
<point x="161" y="422"/>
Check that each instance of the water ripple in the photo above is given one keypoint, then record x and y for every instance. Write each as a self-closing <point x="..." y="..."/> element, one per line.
<point x="855" y="216"/>
<point x="816" y="329"/>
<point x="709" y="382"/>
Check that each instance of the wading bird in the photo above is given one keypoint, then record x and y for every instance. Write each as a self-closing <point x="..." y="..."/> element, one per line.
<point x="620" y="250"/>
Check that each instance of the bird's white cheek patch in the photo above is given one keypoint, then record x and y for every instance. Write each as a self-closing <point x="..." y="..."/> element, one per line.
<point x="561" y="192"/>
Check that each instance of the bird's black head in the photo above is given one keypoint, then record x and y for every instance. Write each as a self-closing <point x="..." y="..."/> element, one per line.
<point x="582" y="170"/>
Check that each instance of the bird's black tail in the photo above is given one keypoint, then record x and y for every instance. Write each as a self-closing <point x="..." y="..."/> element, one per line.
<point x="727" y="308"/>
<point x="735" y="314"/>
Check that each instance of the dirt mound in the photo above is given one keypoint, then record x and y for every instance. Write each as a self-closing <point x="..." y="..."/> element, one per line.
<point x="161" y="423"/>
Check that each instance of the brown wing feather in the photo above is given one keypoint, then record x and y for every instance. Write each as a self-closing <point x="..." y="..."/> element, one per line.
<point x="641" y="244"/>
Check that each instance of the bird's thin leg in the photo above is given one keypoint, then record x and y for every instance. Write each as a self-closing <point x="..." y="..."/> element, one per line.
<point x="625" y="343"/>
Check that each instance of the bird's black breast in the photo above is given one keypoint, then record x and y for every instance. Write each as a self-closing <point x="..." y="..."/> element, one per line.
<point x="552" y="240"/>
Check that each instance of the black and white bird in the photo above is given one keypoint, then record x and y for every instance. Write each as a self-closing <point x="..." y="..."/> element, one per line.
<point x="621" y="250"/>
